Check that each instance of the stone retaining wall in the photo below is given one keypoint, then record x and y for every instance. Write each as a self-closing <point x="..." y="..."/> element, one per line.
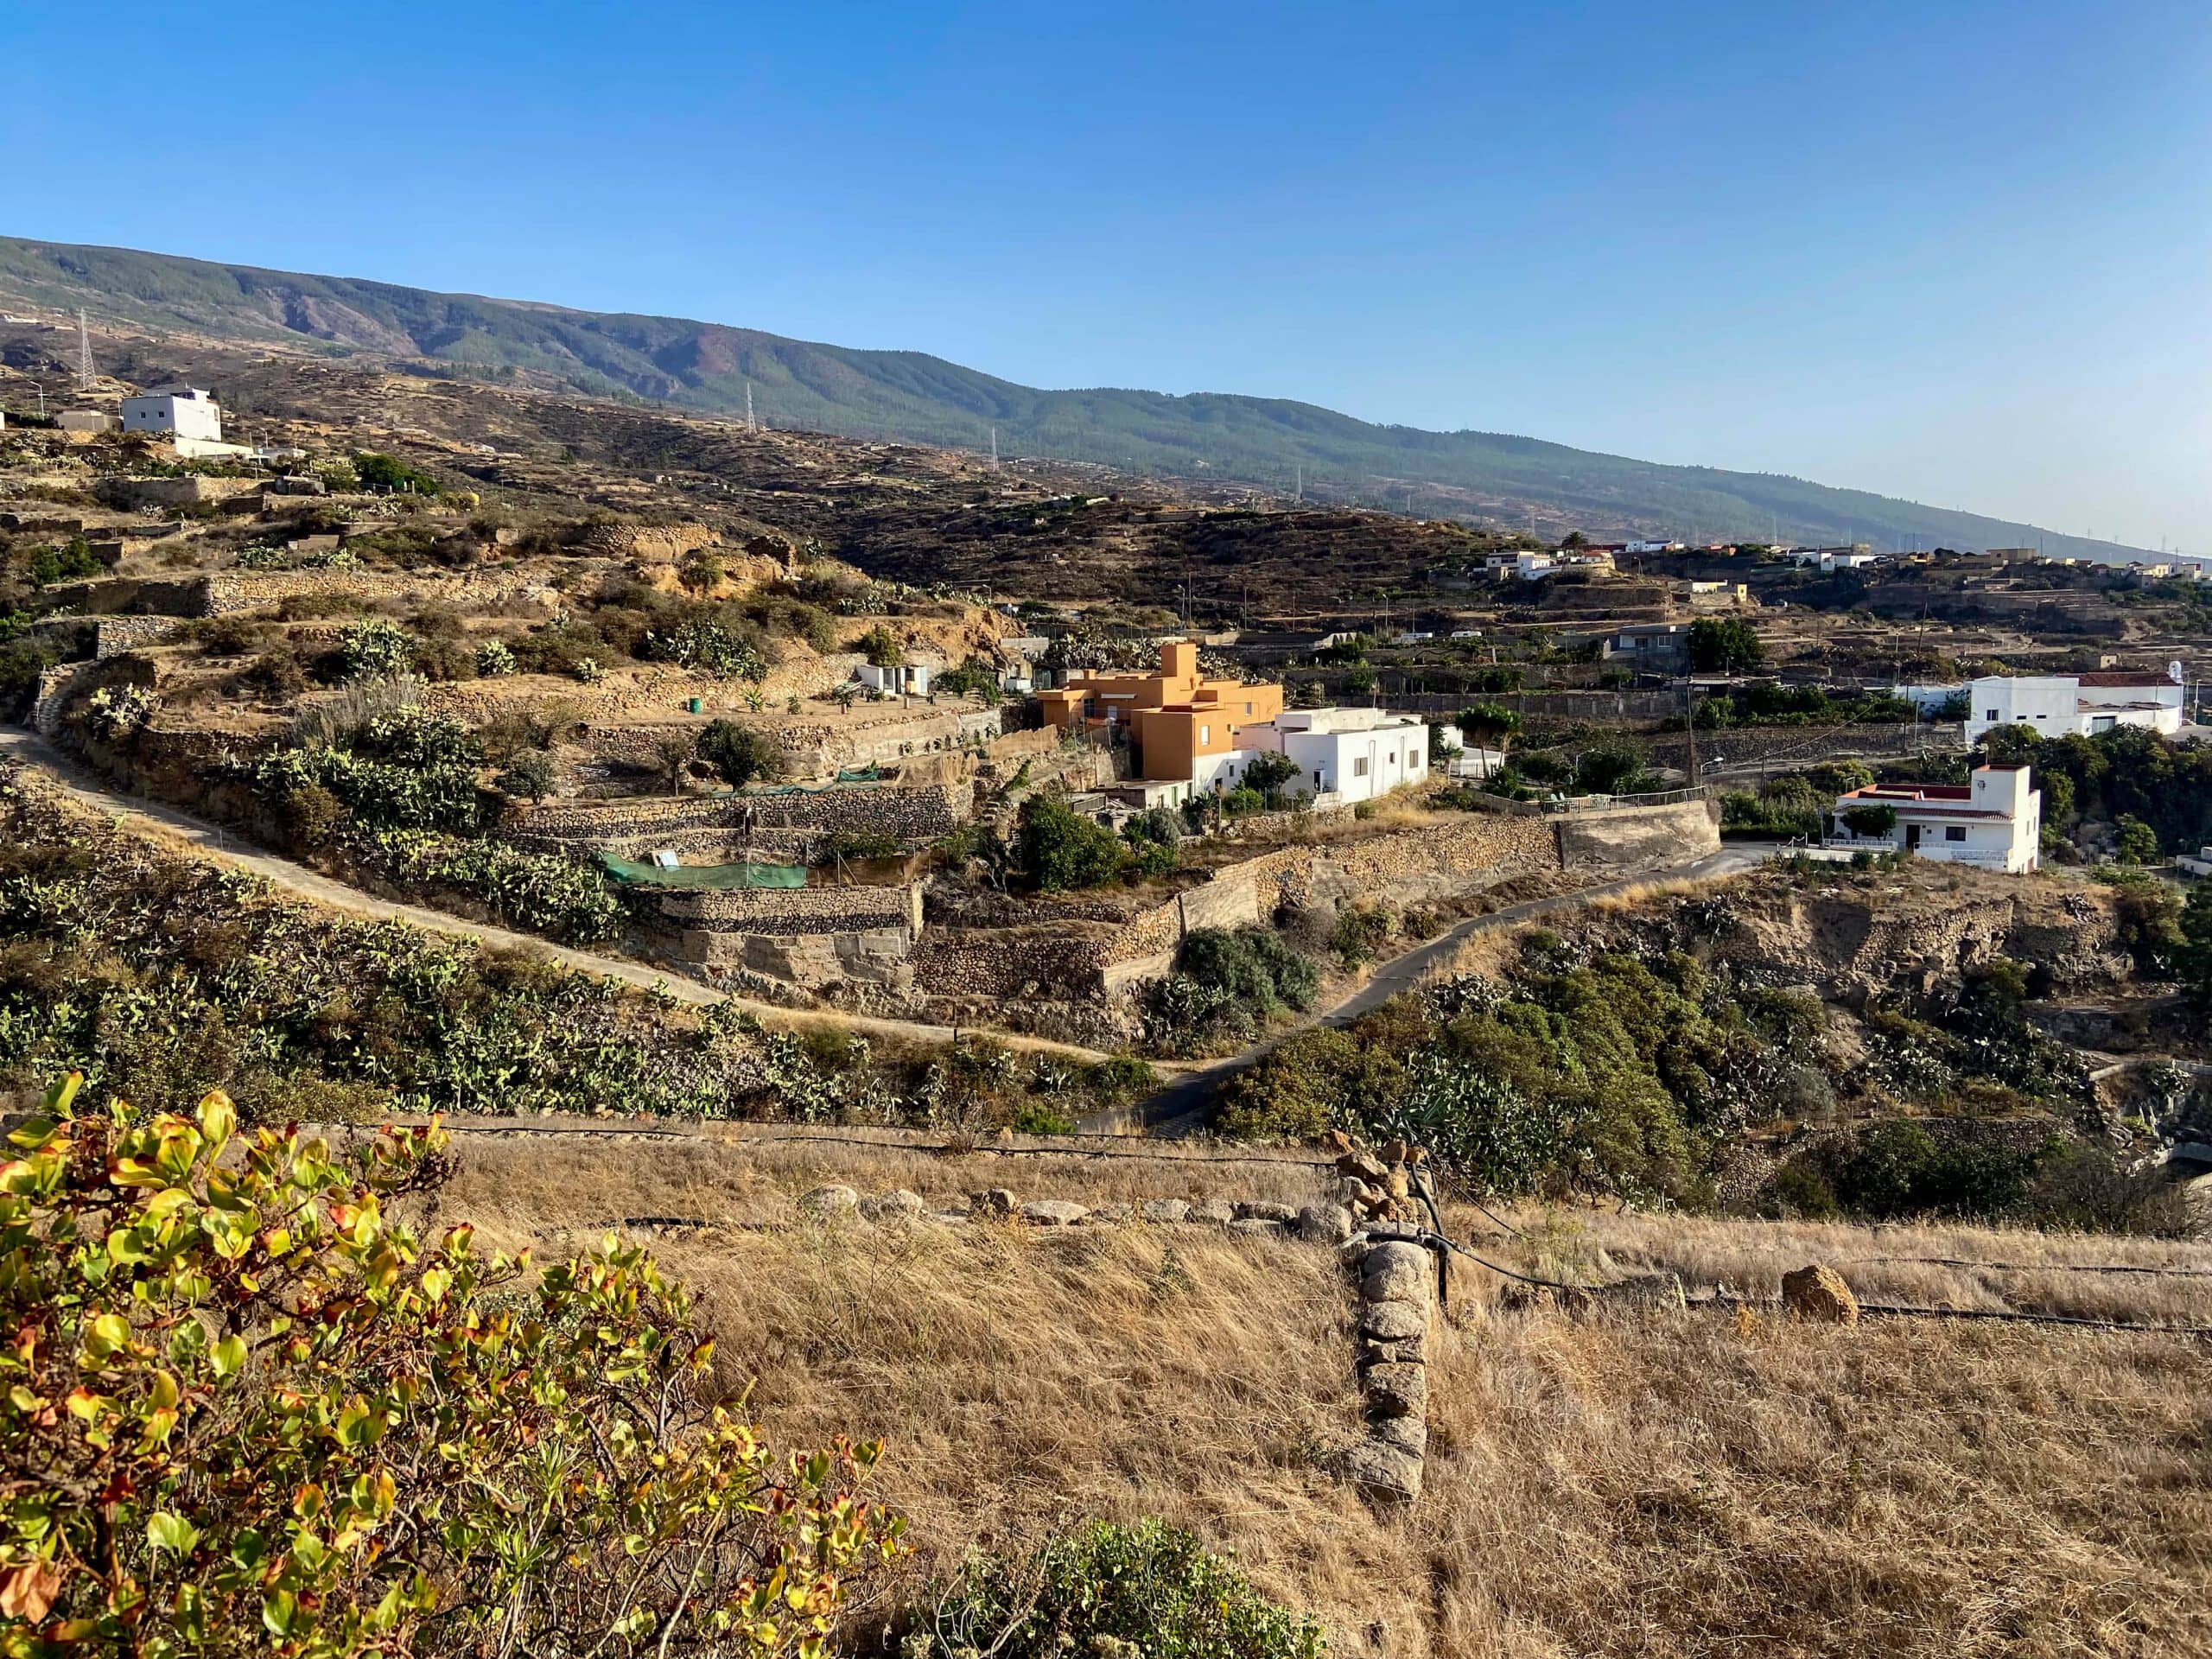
<point x="1634" y="838"/>
<point x="231" y="591"/>
<point x="112" y="635"/>
<point x="794" y="822"/>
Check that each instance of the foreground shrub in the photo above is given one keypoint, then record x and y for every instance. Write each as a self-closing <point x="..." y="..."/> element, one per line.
<point x="1061" y="850"/>
<point x="1151" y="1585"/>
<point x="247" y="1412"/>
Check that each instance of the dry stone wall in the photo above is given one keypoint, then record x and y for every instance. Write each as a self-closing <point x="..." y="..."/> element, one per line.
<point x="231" y="591"/>
<point x="1630" y="838"/>
<point x="794" y="823"/>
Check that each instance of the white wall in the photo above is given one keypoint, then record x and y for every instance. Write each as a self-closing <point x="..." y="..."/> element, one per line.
<point x="188" y="417"/>
<point x="2055" y="705"/>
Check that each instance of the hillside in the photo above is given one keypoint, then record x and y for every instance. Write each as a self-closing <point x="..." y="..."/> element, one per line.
<point x="909" y="396"/>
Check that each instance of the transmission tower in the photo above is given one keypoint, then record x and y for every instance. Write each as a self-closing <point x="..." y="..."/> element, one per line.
<point x="995" y="449"/>
<point x="83" y="353"/>
<point x="750" y="424"/>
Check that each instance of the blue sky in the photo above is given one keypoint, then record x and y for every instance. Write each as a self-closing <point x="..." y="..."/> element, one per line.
<point x="1956" y="252"/>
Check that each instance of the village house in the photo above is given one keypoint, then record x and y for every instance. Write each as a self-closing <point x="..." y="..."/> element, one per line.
<point x="1995" y="820"/>
<point x="2061" y="705"/>
<point x="1656" y="643"/>
<point x="1181" y="725"/>
<point x="1351" y="754"/>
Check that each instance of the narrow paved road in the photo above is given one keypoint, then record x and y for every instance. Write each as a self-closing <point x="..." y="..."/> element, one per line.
<point x="228" y="847"/>
<point x="1180" y="1109"/>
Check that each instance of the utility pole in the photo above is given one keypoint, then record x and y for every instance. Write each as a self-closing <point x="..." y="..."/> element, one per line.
<point x="1300" y="495"/>
<point x="1689" y="717"/>
<point x="83" y="353"/>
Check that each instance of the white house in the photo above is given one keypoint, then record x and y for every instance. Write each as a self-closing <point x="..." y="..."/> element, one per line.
<point x="1994" y="821"/>
<point x="1354" y="754"/>
<point x="913" y="677"/>
<point x="2059" y="705"/>
<point x="174" y="412"/>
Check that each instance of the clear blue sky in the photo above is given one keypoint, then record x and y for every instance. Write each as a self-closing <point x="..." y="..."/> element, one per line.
<point x="1952" y="251"/>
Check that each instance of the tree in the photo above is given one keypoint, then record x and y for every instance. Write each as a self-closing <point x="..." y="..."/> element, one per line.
<point x="1872" y="822"/>
<point x="1268" y="772"/>
<point x="380" y="472"/>
<point x="1489" y="725"/>
<point x="883" y="648"/>
<point x="673" y="754"/>
<point x="1061" y="850"/>
<point x="1575" y="539"/>
<point x="1614" y="767"/>
<point x="529" y="776"/>
<point x="738" y="754"/>
<point x="2137" y="843"/>
<point x="1833" y="778"/>
<point x="246" y="1411"/>
<point x="1724" y="645"/>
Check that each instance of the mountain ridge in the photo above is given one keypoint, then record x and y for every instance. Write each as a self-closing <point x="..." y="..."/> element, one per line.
<point x="912" y="396"/>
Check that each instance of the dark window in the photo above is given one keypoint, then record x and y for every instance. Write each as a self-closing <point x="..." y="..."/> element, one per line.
<point x="1992" y="713"/>
<point x="1955" y="832"/>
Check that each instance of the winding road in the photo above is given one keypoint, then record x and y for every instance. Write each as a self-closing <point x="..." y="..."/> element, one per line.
<point x="1180" y="1108"/>
<point x="228" y="847"/>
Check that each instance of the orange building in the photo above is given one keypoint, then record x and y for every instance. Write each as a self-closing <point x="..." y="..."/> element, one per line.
<point x="1184" y="726"/>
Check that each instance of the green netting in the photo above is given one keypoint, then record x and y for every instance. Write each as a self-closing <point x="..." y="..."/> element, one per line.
<point x="704" y="875"/>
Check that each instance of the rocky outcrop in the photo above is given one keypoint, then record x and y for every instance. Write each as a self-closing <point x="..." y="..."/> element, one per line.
<point x="1819" y="1294"/>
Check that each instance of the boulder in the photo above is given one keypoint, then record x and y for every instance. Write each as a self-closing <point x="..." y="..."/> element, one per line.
<point x="898" y="1204"/>
<point x="1165" y="1210"/>
<point x="1052" y="1212"/>
<point x="1215" y="1212"/>
<point x="1112" y="1213"/>
<point x="1382" y="1473"/>
<point x="1395" y="1271"/>
<point x="1256" y="1227"/>
<point x="1397" y="1390"/>
<point x="994" y="1202"/>
<point x="1325" y="1224"/>
<point x="829" y="1201"/>
<point x="1393" y="1321"/>
<point x="1262" y="1210"/>
<point x="1820" y="1294"/>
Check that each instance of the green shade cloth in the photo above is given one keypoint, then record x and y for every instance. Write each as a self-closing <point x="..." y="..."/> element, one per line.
<point x="704" y="875"/>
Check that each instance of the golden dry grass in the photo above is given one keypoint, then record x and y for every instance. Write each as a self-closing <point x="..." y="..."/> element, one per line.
<point x="1649" y="1484"/>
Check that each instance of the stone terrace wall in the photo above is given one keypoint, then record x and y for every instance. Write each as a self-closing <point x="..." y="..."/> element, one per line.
<point x="1404" y="866"/>
<point x="792" y="823"/>
<point x="251" y="590"/>
<point x="792" y="910"/>
<point x="1631" y="838"/>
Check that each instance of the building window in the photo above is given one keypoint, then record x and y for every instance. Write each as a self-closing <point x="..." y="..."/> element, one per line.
<point x="1955" y="832"/>
<point x="1359" y="766"/>
<point x="1205" y="734"/>
<point x="1992" y="713"/>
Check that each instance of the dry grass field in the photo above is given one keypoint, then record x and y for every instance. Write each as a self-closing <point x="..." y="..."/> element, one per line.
<point x="1622" y="1482"/>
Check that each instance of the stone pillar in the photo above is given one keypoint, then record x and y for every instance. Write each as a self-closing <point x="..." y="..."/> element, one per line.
<point x="1397" y="1298"/>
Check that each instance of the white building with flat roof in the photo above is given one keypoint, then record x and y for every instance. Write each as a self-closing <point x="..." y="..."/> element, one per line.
<point x="175" y="412"/>
<point x="1354" y="754"/>
<point x="2061" y="705"/>
<point x="1995" y="820"/>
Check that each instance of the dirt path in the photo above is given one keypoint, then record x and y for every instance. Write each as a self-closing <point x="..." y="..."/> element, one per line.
<point x="1180" y="1109"/>
<point x="228" y="847"/>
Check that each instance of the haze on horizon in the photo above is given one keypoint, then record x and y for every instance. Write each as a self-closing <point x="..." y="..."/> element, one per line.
<point x="1953" y="254"/>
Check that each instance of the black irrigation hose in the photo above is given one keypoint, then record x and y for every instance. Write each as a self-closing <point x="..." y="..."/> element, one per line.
<point x="646" y="1134"/>
<point x="2022" y="1267"/>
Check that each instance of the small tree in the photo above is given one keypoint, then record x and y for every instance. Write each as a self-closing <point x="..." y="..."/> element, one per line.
<point x="1269" y="771"/>
<point x="883" y="648"/>
<point x="673" y="758"/>
<point x="1724" y="645"/>
<point x="1872" y="822"/>
<point x="1062" y="850"/>
<point x="529" y="776"/>
<point x="738" y="754"/>
<point x="243" y="1410"/>
<point x="2137" y="843"/>
<point x="1489" y="725"/>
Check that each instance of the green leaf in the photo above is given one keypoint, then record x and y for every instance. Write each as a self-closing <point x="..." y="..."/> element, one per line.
<point x="171" y="1532"/>
<point x="228" y="1358"/>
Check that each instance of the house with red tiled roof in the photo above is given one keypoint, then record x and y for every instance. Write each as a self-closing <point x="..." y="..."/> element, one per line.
<point x="1994" y="820"/>
<point x="2056" y="705"/>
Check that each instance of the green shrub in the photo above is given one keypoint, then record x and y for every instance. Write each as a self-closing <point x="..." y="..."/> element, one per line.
<point x="543" y="893"/>
<point x="711" y="646"/>
<point x="270" y="1382"/>
<point x="376" y="650"/>
<point x="1060" y="850"/>
<point x="1870" y="822"/>
<point x="372" y="471"/>
<point x="528" y="775"/>
<point x="882" y="648"/>
<point x="1151" y="1587"/>
<point x="740" y="755"/>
